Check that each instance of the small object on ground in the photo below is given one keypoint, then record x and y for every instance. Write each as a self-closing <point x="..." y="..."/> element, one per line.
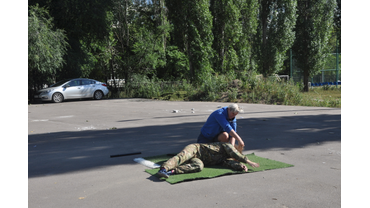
<point x="127" y="154"/>
<point x="147" y="163"/>
<point x="175" y="111"/>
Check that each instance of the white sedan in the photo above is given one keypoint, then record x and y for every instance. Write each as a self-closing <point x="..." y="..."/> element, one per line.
<point x="73" y="89"/>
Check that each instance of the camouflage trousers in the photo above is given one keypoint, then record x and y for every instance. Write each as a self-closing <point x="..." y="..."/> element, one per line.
<point x="187" y="161"/>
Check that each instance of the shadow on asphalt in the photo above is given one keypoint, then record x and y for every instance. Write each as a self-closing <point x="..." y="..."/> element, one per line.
<point x="65" y="152"/>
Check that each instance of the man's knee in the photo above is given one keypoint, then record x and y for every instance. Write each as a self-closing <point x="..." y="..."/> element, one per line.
<point x="223" y="137"/>
<point x="197" y="163"/>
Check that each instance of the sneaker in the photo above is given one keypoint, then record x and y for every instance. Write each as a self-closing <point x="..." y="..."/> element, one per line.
<point x="163" y="173"/>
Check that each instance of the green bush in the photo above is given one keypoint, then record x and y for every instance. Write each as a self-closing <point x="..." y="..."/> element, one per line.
<point x="247" y="88"/>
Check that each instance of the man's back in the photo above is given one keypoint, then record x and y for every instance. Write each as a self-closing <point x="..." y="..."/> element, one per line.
<point x="217" y="122"/>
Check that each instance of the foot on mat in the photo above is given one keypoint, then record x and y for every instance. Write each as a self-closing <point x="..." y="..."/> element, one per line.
<point x="163" y="173"/>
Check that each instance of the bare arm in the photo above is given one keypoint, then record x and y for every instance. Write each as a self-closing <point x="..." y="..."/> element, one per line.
<point x="234" y="136"/>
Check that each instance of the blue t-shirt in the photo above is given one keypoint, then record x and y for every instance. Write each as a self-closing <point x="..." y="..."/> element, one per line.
<point x="216" y="123"/>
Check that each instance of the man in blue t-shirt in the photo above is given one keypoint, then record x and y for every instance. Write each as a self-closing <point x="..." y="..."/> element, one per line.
<point x="221" y="126"/>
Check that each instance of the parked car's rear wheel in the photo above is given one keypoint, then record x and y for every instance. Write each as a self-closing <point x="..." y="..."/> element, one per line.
<point x="57" y="97"/>
<point x="98" y="95"/>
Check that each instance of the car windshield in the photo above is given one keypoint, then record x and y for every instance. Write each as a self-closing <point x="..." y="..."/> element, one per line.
<point x="60" y="83"/>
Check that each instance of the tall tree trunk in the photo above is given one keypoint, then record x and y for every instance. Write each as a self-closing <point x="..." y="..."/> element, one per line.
<point x="223" y="47"/>
<point x="305" y="79"/>
<point x="188" y="43"/>
<point x="191" y="69"/>
<point x="264" y="17"/>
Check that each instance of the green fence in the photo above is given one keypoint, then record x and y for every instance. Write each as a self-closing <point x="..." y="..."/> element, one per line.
<point x="331" y="73"/>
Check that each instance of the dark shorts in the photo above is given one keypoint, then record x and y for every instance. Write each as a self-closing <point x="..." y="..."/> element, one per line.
<point x="203" y="139"/>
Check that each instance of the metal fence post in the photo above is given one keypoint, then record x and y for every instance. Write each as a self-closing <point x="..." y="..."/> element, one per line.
<point x="337" y="60"/>
<point x="291" y="65"/>
<point x="322" y="76"/>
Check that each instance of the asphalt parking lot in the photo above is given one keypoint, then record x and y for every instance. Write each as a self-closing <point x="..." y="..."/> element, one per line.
<point x="70" y="143"/>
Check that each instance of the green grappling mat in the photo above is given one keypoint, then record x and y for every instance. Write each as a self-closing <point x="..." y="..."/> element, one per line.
<point x="214" y="171"/>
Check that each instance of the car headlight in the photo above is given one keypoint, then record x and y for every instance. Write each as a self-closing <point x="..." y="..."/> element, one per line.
<point x="47" y="91"/>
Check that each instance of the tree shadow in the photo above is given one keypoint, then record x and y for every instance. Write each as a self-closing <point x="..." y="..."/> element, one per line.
<point x="65" y="152"/>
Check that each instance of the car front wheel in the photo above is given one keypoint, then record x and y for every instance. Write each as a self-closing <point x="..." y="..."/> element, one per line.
<point x="57" y="97"/>
<point x="98" y="95"/>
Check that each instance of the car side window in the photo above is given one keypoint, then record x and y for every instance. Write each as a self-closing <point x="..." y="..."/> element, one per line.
<point x="74" y="83"/>
<point x="86" y="82"/>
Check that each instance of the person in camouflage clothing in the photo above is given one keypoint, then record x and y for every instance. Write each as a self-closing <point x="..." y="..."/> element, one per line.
<point x="195" y="156"/>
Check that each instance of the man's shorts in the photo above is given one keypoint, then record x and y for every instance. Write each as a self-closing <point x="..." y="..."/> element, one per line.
<point x="203" y="139"/>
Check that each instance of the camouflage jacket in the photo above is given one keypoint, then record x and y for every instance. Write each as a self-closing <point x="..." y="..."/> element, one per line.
<point x="220" y="153"/>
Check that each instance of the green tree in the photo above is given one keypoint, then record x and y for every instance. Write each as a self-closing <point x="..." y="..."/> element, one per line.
<point x="46" y="48"/>
<point x="337" y="21"/>
<point x="177" y="65"/>
<point x="150" y="37"/>
<point x="141" y="30"/>
<point x="227" y="30"/>
<point x="249" y="22"/>
<point x="313" y="31"/>
<point x="234" y="24"/>
<point x="275" y="36"/>
<point x="192" y="34"/>
<point x="85" y="23"/>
